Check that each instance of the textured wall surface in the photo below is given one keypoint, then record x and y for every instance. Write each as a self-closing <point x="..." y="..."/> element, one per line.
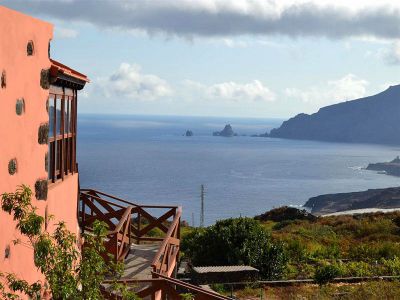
<point x="19" y="134"/>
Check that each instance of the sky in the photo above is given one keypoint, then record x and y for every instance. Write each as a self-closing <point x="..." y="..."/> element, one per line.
<point x="237" y="58"/>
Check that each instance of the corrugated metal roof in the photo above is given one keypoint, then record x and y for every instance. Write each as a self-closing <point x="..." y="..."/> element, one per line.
<point x="223" y="269"/>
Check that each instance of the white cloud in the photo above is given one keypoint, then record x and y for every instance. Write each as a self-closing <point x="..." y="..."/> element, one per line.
<point x="254" y="91"/>
<point x="346" y="88"/>
<point x="222" y="18"/>
<point x="129" y="82"/>
<point x="392" y="55"/>
<point x="235" y="43"/>
<point x="65" y="33"/>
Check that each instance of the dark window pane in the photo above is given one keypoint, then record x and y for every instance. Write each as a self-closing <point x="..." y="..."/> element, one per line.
<point x="58" y="114"/>
<point x="51" y="115"/>
<point x="70" y="115"/>
<point x="49" y="161"/>
<point x="66" y="115"/>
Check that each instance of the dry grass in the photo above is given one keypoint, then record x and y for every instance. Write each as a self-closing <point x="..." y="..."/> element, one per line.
<point x="369" y="290"/>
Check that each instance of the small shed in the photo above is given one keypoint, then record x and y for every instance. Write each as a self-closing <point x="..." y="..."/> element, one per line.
<point x="223" y="274"/>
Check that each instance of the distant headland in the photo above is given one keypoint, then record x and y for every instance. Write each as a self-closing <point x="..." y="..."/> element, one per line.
<point x="373" y="198"/>
<point x="389" y="168"/>
<point x="373" y="119"/>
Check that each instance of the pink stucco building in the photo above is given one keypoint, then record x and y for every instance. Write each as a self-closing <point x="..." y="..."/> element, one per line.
<point x="38" y="126"/>
<point x="38" y="108"/>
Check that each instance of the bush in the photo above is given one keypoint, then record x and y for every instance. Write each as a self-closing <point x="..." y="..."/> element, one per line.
<point x="241" y="241"/>
<point x="296" y="250"/>
<point x="358" y="269"/>
<point x="391" y="266"/>
<point x="374" y="251"/>
<point x="286" y="213"/>
<point x="326" y="274"/>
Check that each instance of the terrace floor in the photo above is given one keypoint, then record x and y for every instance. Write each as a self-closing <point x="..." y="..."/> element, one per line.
<point x="138" y="262"/>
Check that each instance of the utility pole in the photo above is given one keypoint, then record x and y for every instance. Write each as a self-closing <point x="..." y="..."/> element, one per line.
<point x="192" y="219"/>
<point x="202" y="206"/>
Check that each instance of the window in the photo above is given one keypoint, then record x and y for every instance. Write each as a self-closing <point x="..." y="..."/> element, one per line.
<point x="62" y="132"/>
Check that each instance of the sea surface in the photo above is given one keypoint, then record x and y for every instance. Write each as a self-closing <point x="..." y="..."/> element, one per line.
<point x="147" y="159"/>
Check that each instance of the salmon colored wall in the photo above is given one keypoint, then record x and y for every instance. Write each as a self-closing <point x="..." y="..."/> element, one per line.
<point x="19" y="134"/>
<point x="62" y="202"/>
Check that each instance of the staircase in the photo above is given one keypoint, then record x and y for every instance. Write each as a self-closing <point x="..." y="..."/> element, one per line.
<point x="146" y="238"/>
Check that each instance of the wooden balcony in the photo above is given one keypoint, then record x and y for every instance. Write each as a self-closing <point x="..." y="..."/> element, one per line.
<point x="146" y="238"/>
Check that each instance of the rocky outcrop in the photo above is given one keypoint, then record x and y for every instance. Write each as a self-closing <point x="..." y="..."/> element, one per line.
<point x="390" y="168"/>
<point x="373" y="119"/>
<point x="226" y="132"/>
<point x="374" y="198"/>
<point x="189" y="133"/>
<point x="285" y="213"/>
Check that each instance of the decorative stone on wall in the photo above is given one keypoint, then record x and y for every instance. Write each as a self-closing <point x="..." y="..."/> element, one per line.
<point x="45" y="79"/>
<point x="41" y="189"/>
<point x="3" y="79"/>
<point x="12" y="166"/>
<point x="29" y="48"/>
<point x="46" y="162"/>
<point x="20" y="106"/>
<point x="43" y="134"/>
<point x="7" y="252"/>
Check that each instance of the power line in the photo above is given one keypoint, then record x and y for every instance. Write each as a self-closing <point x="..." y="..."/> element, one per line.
<point x="202" y="206"/>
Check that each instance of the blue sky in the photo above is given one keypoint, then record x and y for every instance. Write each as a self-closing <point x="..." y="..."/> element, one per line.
<point x="241" y="58"/>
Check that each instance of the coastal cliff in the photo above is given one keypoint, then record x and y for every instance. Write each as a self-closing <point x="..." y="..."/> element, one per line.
<point x="373" y="198"/>
<point x="373" y="119"/>
<point x="390" y="168"/>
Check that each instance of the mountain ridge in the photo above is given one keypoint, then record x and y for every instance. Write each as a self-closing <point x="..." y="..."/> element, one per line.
<point x="372" y="119"/>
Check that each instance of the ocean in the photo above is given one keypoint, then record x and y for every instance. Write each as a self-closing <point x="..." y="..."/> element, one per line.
<point x="148" y="160"/>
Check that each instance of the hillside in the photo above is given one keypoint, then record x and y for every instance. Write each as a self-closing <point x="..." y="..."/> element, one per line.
<point x="373" y="119"/>
<point x="373" y="198"/>
<point x="363" y="245"/>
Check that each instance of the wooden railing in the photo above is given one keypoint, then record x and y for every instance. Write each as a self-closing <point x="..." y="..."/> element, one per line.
<point x="167" y="256"/>
<point x="143" y="225"/>
<point x="129" y="221"/>
<point x="167" y="287"/>
<point x="118" y="219"/>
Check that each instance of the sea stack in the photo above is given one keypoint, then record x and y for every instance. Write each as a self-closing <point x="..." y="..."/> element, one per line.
<point x="226" y="132"/>
<point x="189" y="133"/>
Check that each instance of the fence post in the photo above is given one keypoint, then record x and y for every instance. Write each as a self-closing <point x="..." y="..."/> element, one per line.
<point x="138" y="226"/>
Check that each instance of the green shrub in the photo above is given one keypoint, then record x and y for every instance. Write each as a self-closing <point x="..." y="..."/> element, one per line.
<point x="357" y="269"/>
<point x="326" y="274"/>
<point x="391" y="266"/>
<point x="327" y="252"/>
<point x="186" y="296"/>
<point x="296" y="250"/>
<point x="375" y="251"/>
<point x="286" y="213"/>
<point x="69" y="274"/>
<point x="283" y="224"/>
<point x="241" y="241"/>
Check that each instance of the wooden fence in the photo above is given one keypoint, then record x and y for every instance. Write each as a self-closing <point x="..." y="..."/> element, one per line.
<point x="167" y="287"/>
<point x="130" y="222"/>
